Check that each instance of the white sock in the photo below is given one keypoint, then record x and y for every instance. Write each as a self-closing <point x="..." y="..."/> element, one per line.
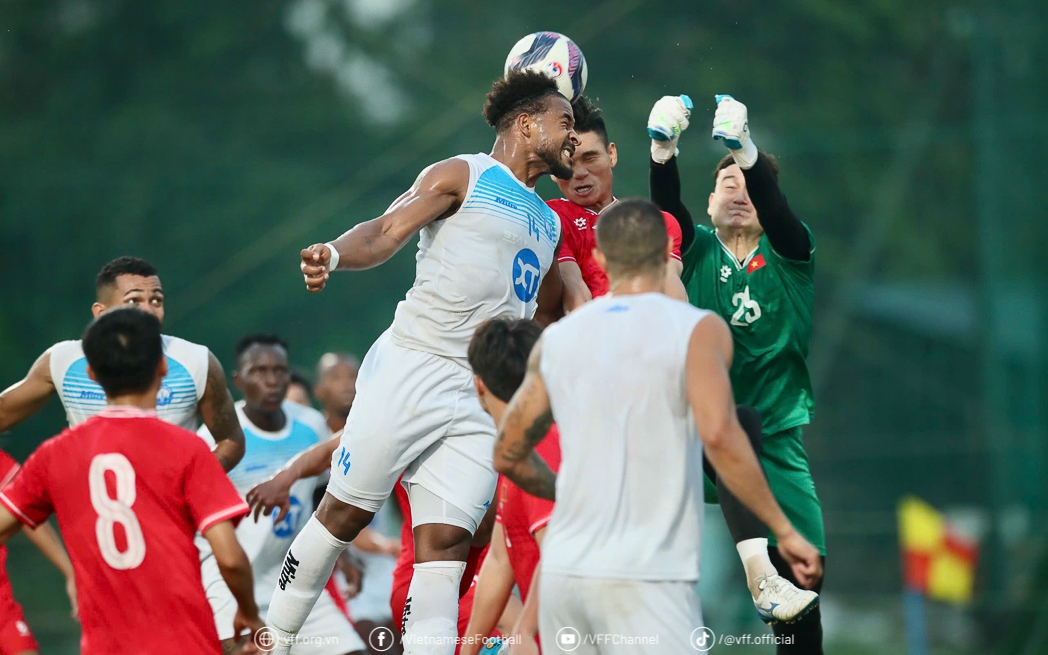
<point x="307" y="567"/>
<point x="755" y="560"/>
<point x="431" y="611"/>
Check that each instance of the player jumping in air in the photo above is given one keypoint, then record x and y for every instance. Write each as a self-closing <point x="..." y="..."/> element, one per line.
<point x="276" y="430"/>
<point x="754" y="267"/>
<point x="130" y="491"/>
<point x="621" y="552"/>
<point x="195" y="386"/>
<point x="487" y="242"/>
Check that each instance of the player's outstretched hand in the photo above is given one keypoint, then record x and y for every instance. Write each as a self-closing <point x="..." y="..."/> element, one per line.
<point x="731" y="125"/>
<point x="668" y="118"/>
<point x="315" y="262"/>
<point x="250" y="625"/>
<point x="269" y="495"/>
<point x="802" y="557"/>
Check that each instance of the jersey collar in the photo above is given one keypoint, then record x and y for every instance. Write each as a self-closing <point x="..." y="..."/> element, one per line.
<point x="740" y="265"/>
<point x="126" y="411"/>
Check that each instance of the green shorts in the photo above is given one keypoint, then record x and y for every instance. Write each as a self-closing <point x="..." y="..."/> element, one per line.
<point x="789" y="477"/>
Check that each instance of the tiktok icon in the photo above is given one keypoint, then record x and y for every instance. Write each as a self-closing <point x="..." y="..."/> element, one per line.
<point x="702" y="639"/>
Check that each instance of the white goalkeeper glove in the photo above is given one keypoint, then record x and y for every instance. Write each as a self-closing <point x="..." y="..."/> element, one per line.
<point x="668" y="118"/>
<point x="731" y="125"/>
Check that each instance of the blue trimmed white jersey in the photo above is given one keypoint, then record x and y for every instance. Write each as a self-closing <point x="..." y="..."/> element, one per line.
<point x="484" y="261"/>
<point x="265" y="453"/>
<point x="176" y="402"/>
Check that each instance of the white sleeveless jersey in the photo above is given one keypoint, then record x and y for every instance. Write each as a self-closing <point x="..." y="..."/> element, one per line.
<point x="629" y="489"/>
<point x="176" y="402"/>
<point x="485" y="261"/>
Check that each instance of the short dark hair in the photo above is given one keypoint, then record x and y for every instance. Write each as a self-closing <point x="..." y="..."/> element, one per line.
<point x="122" y="266"/>
<point x="259" y="338"/>
<point x="498" y="353"/>
<point x="728" y="160"/>
<point x="588" y="118"/>
<point x="298" y="377"/>
<point x="632" y="236"/>
<point x="123" y="348"/>
<point x="519" y="92"/>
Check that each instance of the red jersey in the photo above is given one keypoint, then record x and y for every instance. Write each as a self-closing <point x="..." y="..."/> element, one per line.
<point x="580" y="238"/>
<point x="522" y="515"/>
<point x="130" y="491"/>
<point x="15" y="636"/>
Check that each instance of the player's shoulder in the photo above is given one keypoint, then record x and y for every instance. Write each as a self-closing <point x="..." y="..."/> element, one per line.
<point x="307" y="416"/>
<point x="175" y="346"/>
<point x="69" y="350"/>
<point x="566" y="209"/>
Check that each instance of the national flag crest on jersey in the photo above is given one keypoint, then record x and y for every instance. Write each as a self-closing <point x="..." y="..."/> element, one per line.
<point x="755" y="263"/>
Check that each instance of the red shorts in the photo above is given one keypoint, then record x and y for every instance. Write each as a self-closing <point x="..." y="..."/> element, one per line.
<point x="15" y="636"/>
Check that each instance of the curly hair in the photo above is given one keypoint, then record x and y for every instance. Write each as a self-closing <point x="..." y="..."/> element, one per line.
<point x="519" y="92"/>
<point x="588" y="118"/>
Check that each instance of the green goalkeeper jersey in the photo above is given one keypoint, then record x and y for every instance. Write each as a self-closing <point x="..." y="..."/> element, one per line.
<point x="767" y="300"/>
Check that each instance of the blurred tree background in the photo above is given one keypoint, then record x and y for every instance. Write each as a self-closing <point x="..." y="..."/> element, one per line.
<point x="218" y="139"/>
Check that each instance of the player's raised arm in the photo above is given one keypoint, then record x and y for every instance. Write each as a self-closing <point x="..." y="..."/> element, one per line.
<point x="28" y="396"/>
<point x="527" y="422"/>
<point x="667" y="120"/>
<point x="728" y="448"/>
<point x="437" y="192"/>
<point x="220" y="416"/>
<point x="785" y="232"/>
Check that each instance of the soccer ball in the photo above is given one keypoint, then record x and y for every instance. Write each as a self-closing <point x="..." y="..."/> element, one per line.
<point x="555" y="55"/>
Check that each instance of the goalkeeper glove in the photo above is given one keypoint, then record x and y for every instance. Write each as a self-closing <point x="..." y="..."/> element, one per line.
<point x="668" y="118"/>
<point x="731" y="125"/>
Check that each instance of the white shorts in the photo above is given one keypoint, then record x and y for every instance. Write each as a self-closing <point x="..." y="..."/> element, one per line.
<point x="326" y="631"/>
<point x="416" y="413"/>
<point x="587" y="616"/>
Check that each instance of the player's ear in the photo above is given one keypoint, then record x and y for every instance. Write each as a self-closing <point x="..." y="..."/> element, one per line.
<point x="669" y="249"/>
<point x="526" y="125"/>
<point x="91" y="374"/>
<point x="161" y="369"/>
<point x="98" y="309"/>
<point x="238" y="382"/>
<point x="479" y="384"/>
<point x="613" y="153"/>
<point x="709" y="207"/>
<point x="602" y="261"/>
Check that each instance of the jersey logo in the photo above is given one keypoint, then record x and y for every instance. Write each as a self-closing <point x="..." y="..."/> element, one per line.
<point x="725" y="273"/>
<point x="748" y="310"/>
<point x="581" y="223"/>
<point x="286" y="527"/>
<point x="755" y="263"/>
<point x="526" y="275"/>
<point x="287" y="574"/>
<point x="164" y="395"/>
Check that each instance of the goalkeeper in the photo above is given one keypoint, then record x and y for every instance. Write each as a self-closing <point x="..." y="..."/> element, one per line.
<point x="754" y="266"/>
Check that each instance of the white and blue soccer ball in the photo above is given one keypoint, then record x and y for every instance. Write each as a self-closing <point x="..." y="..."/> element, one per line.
<point x="555" y="55"/>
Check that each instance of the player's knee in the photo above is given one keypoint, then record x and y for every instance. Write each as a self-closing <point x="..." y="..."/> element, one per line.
<point x="750" y="420"/>
<point x="342" y="520"/>
<point x="439" y="542"/>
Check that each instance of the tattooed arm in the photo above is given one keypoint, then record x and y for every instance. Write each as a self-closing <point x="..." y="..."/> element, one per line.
<point x="526" y="422"/>
<point x="220" y="416"/>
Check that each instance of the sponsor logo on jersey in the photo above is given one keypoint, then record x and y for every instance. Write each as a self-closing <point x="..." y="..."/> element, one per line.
<point x="526" y="274"/>
<point x="93" y="395"/>
<point x="287" y="574"/>
<point x="725" y="273"/>
<point x="286" y="527"/>
<point x="507" y="203"/>
<point x="581" y="223"/>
